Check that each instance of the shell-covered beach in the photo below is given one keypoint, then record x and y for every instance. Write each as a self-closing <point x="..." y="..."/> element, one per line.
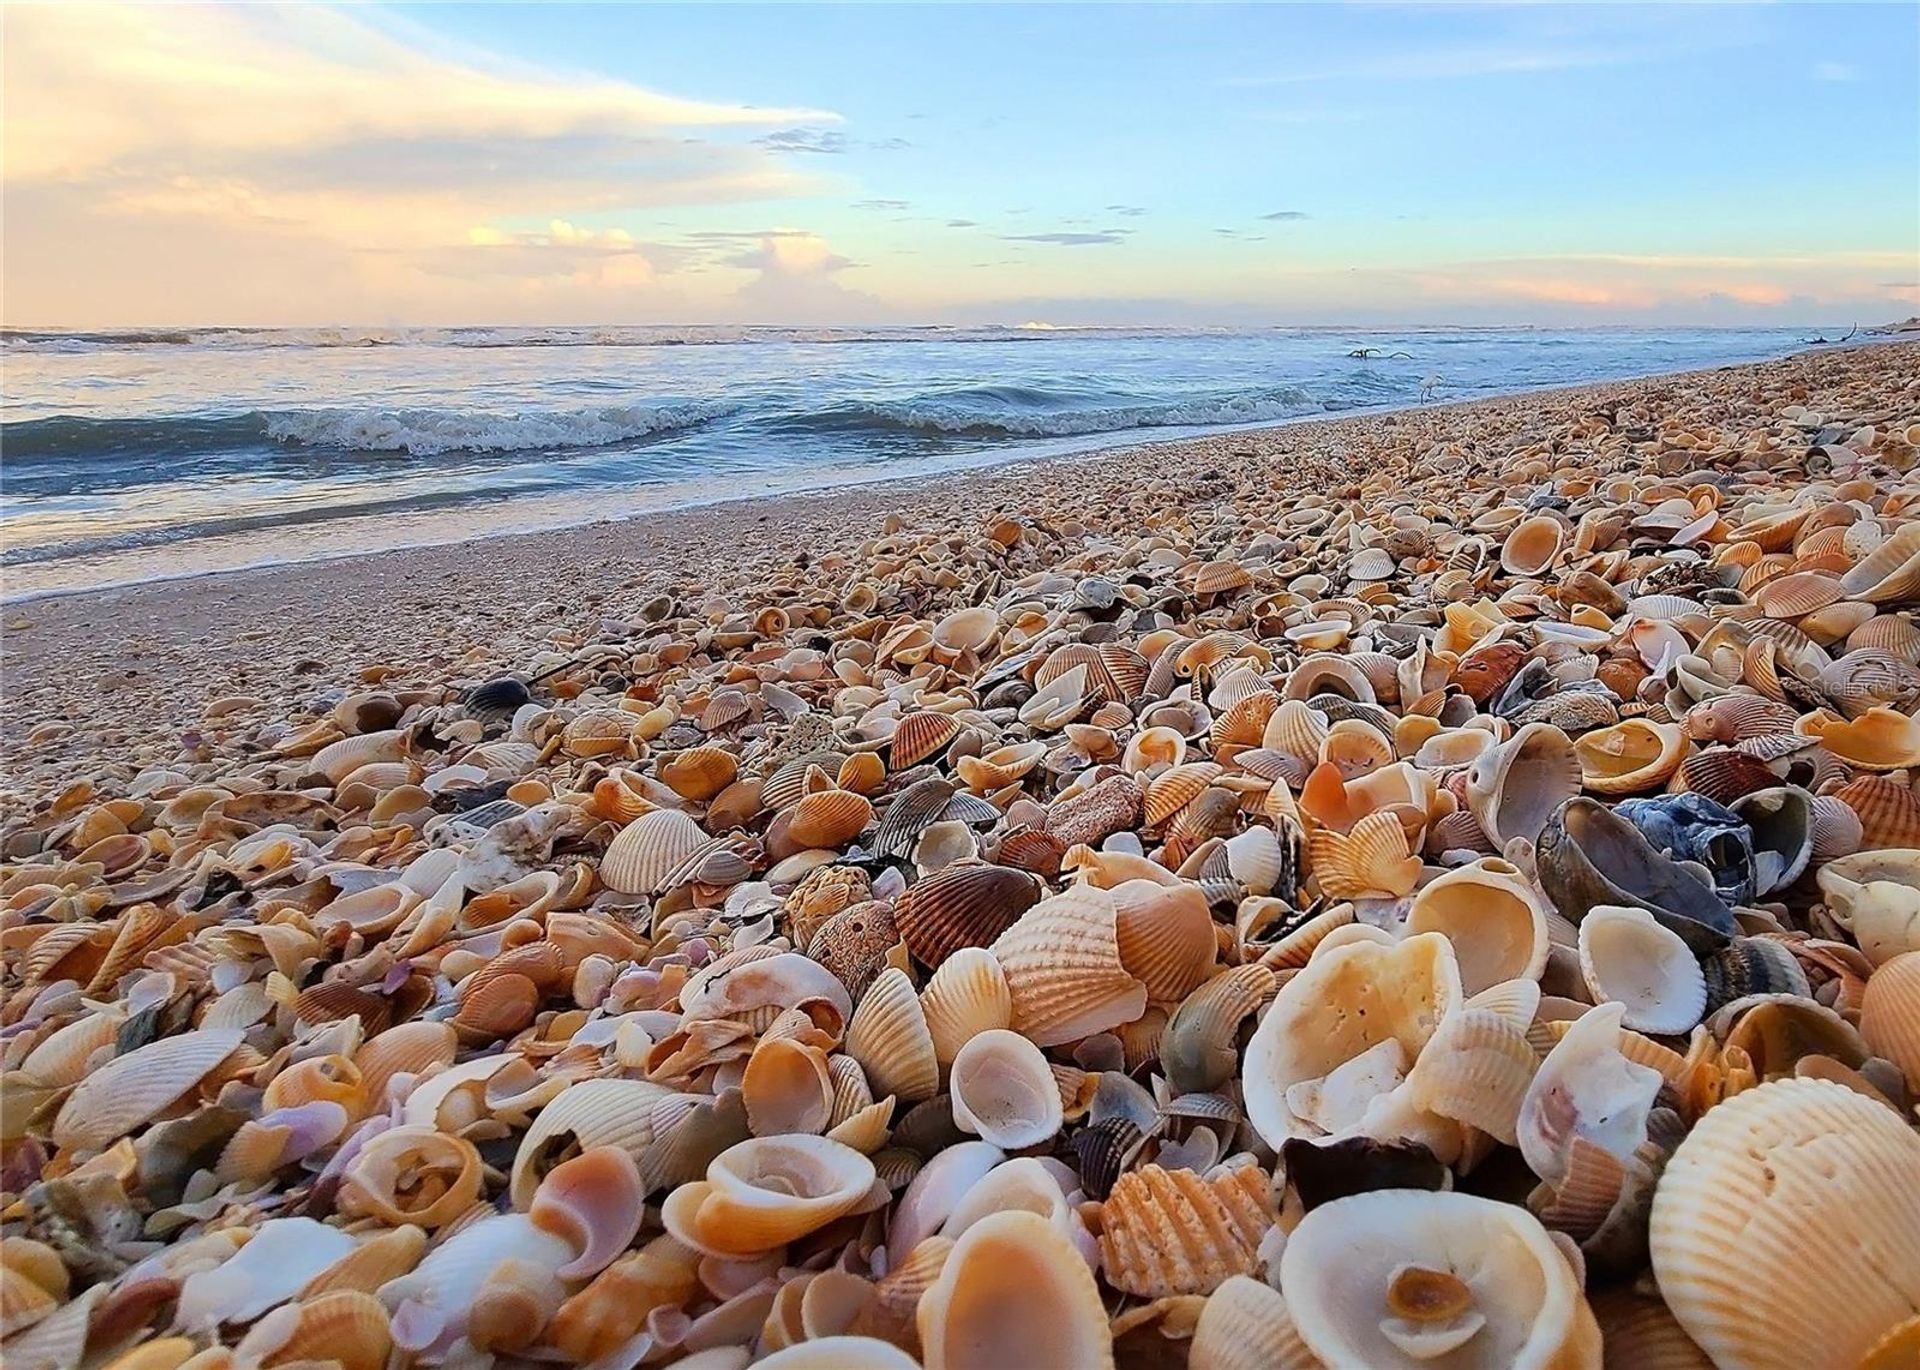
<point x="1430" y="889"/>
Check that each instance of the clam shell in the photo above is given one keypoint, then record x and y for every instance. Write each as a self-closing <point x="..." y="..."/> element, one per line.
<point x="888" y="1036"/>
<point x="1628" y="958"/>
<point x="1880" y="739"/>
<point x="1166" y="937"/>
<point x="1165" y="1232"/>
<point x="1497" y="925"/>
<point x="1532" y="547"/>
<point x="347" y="1327"/>
<point x="1790" y="1176"/>
<point x="1064" y="969"/>
<point x="1003" y="1091"/>
<point x="131" y="1089"/>
<point x="787" y="1088"/>
<point x="1748" y="966"/>
<point x="1199" y="1049"/>
<point x="967" y="904"/>
<point x="1890" y="573"/>
<point x="624" y="1113"/>
<point x="643" y="853"/>
<point x="1890" y="1014"/>
<point x="1014" y="1290"/>
<point x="966" y="996"/>
<point x="1476" y="1070"/>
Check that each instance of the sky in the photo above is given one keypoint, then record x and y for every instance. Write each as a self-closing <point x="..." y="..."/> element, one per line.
<point x="1066" y="164"/>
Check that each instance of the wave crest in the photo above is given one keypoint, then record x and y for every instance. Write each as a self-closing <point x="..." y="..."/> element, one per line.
<point x="430" y="432"/>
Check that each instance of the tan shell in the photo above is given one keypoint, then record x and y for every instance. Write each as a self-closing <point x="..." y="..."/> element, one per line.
<point x="1004" y="1091"/>
<point x="1497" y="925"/>
<point x="1532" y="546"/>
<point x="787" y="1088"/>
<point x="595" y="1203"/>
<point x="888" y="1036"/>
<point x="1881" y="739"/>
<point x="1875" y="895"/>
<point x="1014" y="1290"/>
<point x="1889" y="812"/>
<point x="699" y="773"/>
<point x="1166" y="936"/>
<point x="1245" y="1326"/>
<point x="966" y="996"/>
<point x="1632" y="756"/>
<point x="1890" y="1014"/>
<point x="1372" y="860"/>
<point x="1787" y="1177"/>
<point x="1064" y="969"/>
<point x="131" y="1089"/>
<point x="1518" y="1303"/>
<point x="1476" y="1070"/>
<point x="1168" y="1232"/>
<point x="1516" y="787"/>
<point x="642" y="854"/>
<point x="1890" y="573"/>
<point x="767" y="1191"/>
<point x="829" y="818"/>
<point x="346" y="1327"/>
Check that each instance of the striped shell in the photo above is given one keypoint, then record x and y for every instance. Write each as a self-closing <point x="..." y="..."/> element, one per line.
<point x="1165" y="1232"/>
<point x="131" y="1089"/>
<point x="888" y="1036"/>
<point x="967" y="904"/>
<point x="1064" y="970"/>
<point x="647" y="850"/>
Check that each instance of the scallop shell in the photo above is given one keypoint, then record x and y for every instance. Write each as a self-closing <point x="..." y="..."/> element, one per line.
<point x="1889" y="813"/>
<point x="967" y="904"/>
<point x="1397" y="1279"/>
<point x="888" y="1036"/>
<point x="1347" y="1001"/>
<point x="966" y="996"/>
<point x="920" y="737"/>
<point x="1890" y="573"/>
<point x="644" y="852"/>
<point x="1515" y="788"/>
<point x="1166" y="936"/>
<point x="346" y="1327"/>
<point x="624" y="1113"/>
<point x="967" y="630"/>
<point x="1245" y="1326"/>
<point x="1004" y="1092"/>
<point x="1372" y="859"/>
<point x="1497" y="925"/>
<point x="1628" y="958"/>
<point x="1476" y="1070"/>
<point x="131" y="1089"/>
<point x="1890" y="1014"/>
<point x="829" y="819"/>
<point x="699" y="773"/>
<point x="1631" y="756"/>
<point x="1787" y="1177"/>
<point x="1013" y="1291"/>
<point x="1064" y="969"/>
<point x="1165" y="1232"/>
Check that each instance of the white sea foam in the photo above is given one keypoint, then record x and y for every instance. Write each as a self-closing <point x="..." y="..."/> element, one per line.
<point x="429" y="432"/>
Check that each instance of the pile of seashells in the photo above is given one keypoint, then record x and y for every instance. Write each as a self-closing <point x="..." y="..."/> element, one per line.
<point x="1469" y="917"/>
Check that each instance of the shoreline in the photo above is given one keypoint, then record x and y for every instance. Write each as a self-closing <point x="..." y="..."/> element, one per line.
<point x="372" y="534"/>
<point x="114" y="679"/>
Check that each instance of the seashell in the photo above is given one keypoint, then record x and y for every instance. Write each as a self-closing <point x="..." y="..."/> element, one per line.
<point x="855" y="944"/>
<point x="1296" y="728"/>
<point x="1890" y="574"/>
<point x="1881" y="739"/>
<point x="1064" y="969"/>
<point x="966" y="904"/>
<point x="1628" y="958"/>
<point x="1589" y="855"/>
<point x="1323" y="673"/>
<point x="1782" y="821"/>
<point x="338" y="760"/>
<point x="1402" y="1278"/>
<point x="385" y="1256"/>
<point x="1347" y="1001"/>
<point x="966" y="630"/>
<point x="1003" y="1091"/>
<point x="590" y="1113"/>
<point x="412" y="1175"/>
<point x="966" y="996"/>
<point x="643" y="853"/>
<point x="1245" y="1326"/>
<point x="1515" y="788"/>
<point x="492" y="1279"/>
<point x="1488" y="911"/>
<point x="1890" y="1014"/>
<point x="1639" y="1332"/>
<point x="1371" y="860"/>
<point x="1165" y="1232"/>
<point x="909" y="813"/>
<point x="129" y="1090"/>
<point x="1476" y="1069"/>
<point x="889" y="1037"/>
<point x="829" y="819"/>
<point x="594" y="1203"/>
<point x="1875" y="896"/>
<point x="1532" y="546"/>
<point x="1889" y="812"/>
<point x="1371" y="563"/>
<point x="1690" y="827"/>
<point x="1356" y="748"/>
<point x="1775" y="1155"/>
<point x="699" y="773"/>
<point x="347" y="1327"/>
<point x="1166" y="937"/>
<point x="1199" y="1049"/>
<point x="1895" y="634"/>
<point x="787" y="1088"/>
<point x="280" y="1257"/>
<point x="1013" y="1291"/>
<point x="1631" y="756"/>
<point x="920" y="737"/>
<point x="1586" y="1090"/>
<point x="767" y="1191"/>
<point x="1748" y="966"/>
<point x="756" y="989"/>
<point x="1058" y="702"/>
<point x="838" y="1353"/>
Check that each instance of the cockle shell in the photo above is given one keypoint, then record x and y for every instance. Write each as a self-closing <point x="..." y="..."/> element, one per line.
<point x="888" y="1036"/>
<point x="1399" y="1279"/>
<point x="131" y="1089"/>
<point x="1890" y="1014"/>
<point x="1476" y="1069"/>
<point x="829" y="819"/>
<point x="1497" y="925"/>
<point x="644" y="852"/>
<point x="967" y="904"/>
<point x="766" y="1192"/>
<point x="1004" y="1091"/>
<point x="1787" y="1177"/>
<point x="1064" y="970"/>
<point x="624" y="1113"/>
<point x="346" y="1327"/>
<point x="1371" y="860"/>
<point x="1628" y="958"/>
<point x="1889" y="812"/>
<point x="787" y="1088"/>
<point x="699" y="773"/>
<point x="1348" y="1001"/>
<point x="1532" y="546"/>
<point x="966" y="996"/>
<point x="1168" y="1232"/>
<point x="1890" y="573"/>
<point x="1245" y="1326"/>
<point x="1013" y="1291"/>
<point x="1166" y="937"/>
<point x="1516" y="787"/>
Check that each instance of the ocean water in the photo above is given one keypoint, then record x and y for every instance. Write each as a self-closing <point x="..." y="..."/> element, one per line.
<point x="133" y="454"/>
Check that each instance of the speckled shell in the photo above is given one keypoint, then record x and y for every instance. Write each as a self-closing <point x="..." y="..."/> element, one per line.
<point x="1783" y="1178"/>
<point x="1064" y="969"/>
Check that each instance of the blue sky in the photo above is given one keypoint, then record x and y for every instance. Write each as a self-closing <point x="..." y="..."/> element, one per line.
<point x="1154" y="164"/>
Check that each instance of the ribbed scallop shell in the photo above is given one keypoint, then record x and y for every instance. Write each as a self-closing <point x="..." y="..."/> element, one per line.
<point x="1166" y="936"/>
<point x="338" y="760"/>
<point x="1172" y="790"/>
<point x="888" y="1036"/>
<point x="1724" y="775"/>
<point x="1640" y="1334"/>
<point x="643" y="853"/>
<point x="1893" y="633"/>
<point x="1475" y="1069"/>
<point x="829" y="818"/>
<point x="1890" y="1014"/>
<point x="699" y="773"/>
<point x="600" y="732"/>
<point x="60" y="1058"/>
<point x="1245" y="1326"/>
<point x="1889" y="813"/>
<point x="1199" y="1049"/>
<point x="625" y="1113"/>
<point x="1296" y="728"/>
<point x="1371" y="860"/>
<point x="1064" y="970"/>
<point x="1785" y="1178"/>
<point x="347" y="1327"/>
<point x="131" y="1089"/>
<point x="379" y="1258"/>
<point x="967" y="904"/>
<point x="1165" y="1232"/>
<point x="966" y="996"/>
<point x="1797" y="593"/>
<point x="920" y="736"/>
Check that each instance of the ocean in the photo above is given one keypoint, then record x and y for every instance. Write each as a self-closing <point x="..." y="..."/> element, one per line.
<point x="135" y="454"/>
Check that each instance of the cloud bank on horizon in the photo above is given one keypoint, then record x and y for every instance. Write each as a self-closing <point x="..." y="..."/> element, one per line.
<point x="388" y="165"/>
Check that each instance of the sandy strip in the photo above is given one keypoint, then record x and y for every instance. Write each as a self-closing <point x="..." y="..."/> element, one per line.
<point x="108" y="681"/>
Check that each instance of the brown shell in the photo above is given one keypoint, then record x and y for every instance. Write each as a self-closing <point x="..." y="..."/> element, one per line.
<point x="919" y="737"/>
<point x="967" y="904"/>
